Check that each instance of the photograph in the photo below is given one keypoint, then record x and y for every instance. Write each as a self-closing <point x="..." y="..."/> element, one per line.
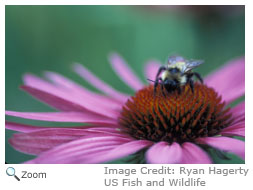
<point x="124" y="84"/>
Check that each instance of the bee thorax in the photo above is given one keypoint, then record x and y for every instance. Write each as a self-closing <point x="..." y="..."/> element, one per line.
<point x="166" y="75"/>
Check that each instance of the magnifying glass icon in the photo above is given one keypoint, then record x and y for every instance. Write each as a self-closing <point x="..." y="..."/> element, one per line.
<point x="10" y="171"/>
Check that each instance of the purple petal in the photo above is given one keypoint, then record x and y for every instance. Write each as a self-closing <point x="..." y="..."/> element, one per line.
<point x="225" y="144"/>
<point x="62" y="117"/>
<point x="43" y="140"/>
<point x="62" y="99"/>
<point x="87" y="158"/>
<point x="99" y="84"/>
<point x="162" y="153"/>
<point x="123" y="150"/>
<point x="233" y="94"/>
<point x="52" y="100"/>
<point x="79" y="150"/>
<point x="238" y="113"/>
<point x="82" y="92"/>
<point x="229" y="81"/>
<point x="152" y="68"/>
<point x="40" y="141"/>
<point x="30" y="128"/>
<point x="193" y="154"/>
<point x="79" y="145"/>
<point x="116" y="130"/>
<point x="237" y="129"/>
<point x="21" y="127"/>
<point x="35" y="82"/>
<point x="70" y="105"/>
<point x="238" y="110"/>
<point x="125" y="72"/>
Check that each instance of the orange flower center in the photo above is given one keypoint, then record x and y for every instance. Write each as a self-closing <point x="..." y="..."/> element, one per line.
<point x="174" y="117"/>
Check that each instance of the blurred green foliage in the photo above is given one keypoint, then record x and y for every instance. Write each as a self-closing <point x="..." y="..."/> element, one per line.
<point x="40" y="38"/>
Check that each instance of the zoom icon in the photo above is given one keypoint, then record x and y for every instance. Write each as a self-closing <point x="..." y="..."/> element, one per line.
<point x="10" y="171"/>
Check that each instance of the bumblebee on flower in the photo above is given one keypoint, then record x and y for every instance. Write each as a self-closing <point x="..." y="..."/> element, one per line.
<point x="176" y="73"/>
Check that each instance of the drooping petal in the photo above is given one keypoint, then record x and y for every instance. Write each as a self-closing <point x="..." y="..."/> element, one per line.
<point x="87" y="158"/>
<point x="42" y="140"/>
<point x="124" y="150"/>
<point x="78" y="150"/>
<point x="82" y="92"/>
<point x="62" y="117"/>
<point x="163" y="153"/>
<point x="225" y="144"/>
<point x="35" y="82"/>
<point x="238" y="110"/>
<point x="21" y="127"/>
<point x="99" y="84"/>
<point x="229" y="81"/>
<point x="237" y="129"/>
<point x="192" y="154"/>
<point x="62" y="99"/>
<point x="52" y="100"/>
<point x="125" y="72"/>
<point x="31" y="128"/>
<point x="152" y="68"/>
<point x="115" y="131"/>
<point x="238" y="113"/>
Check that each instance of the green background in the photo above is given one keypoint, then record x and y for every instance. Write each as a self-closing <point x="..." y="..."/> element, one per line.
<point x="41" y="38"/>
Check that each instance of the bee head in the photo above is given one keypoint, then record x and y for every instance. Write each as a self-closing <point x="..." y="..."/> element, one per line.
<point x="174" y="70"/>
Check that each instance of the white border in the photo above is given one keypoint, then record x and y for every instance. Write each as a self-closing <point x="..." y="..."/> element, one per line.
<point x="91" y="176"/>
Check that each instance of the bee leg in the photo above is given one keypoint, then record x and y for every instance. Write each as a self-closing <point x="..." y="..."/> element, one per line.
<point x="162" y="86"/>
<point x="162" y="68"/>
<point x="198" y="76"/>
<point x="191" y="82"/>
<point x="156" y="84"/>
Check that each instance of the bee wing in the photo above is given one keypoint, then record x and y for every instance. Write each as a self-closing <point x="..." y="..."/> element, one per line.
<point x="175" y="59"/>
<point x="191" y="64"/>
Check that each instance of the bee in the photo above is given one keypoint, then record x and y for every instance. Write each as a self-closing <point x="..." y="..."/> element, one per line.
<point x="176" y="73"/>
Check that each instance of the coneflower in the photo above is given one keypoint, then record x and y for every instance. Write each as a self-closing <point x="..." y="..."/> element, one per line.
<point x="167" y="128"/>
